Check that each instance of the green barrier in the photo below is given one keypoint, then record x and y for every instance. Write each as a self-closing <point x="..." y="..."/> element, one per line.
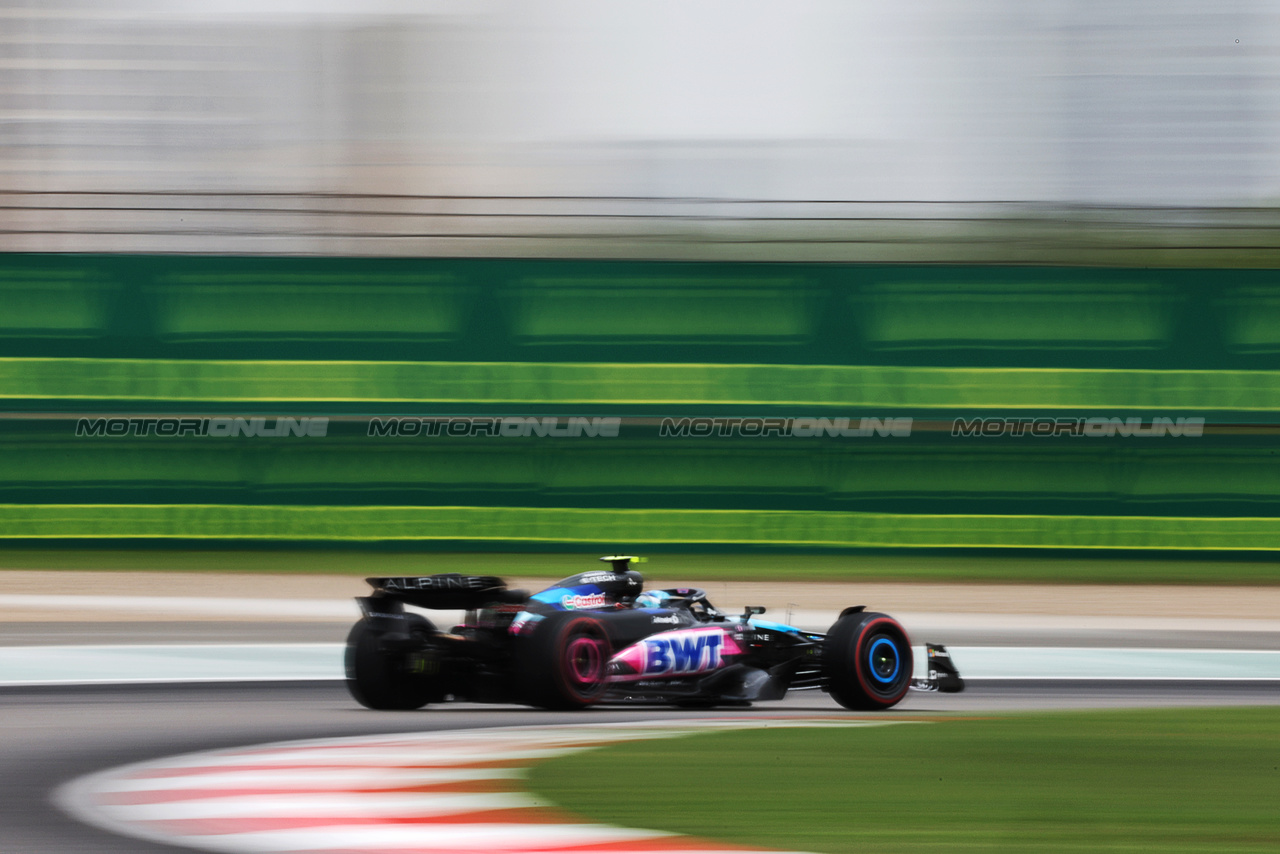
<point x="268" y="307"/>
<point x="613" y="526"/>
<point x="614" y="384"/>
<point x="54" y="301"/>
<point x="1027" y="313"/>
<point x="543" y="310"/>
<point x="1204" y="478"/>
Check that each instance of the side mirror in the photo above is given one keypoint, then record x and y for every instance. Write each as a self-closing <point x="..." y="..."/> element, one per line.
<point x="752" y="610"/>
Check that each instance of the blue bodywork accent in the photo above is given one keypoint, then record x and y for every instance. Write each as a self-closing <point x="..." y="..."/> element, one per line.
<point x="775" y="627"/>
<point x="554" y="596"/>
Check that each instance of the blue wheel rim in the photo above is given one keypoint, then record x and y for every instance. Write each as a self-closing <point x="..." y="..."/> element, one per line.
<point x="876" y="652"/>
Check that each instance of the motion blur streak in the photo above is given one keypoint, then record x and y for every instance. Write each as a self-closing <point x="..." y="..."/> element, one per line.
<point x="1162" y="102"/>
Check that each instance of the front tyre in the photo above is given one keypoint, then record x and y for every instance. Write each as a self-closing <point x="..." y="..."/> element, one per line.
<point x="385" y="679"/>
<point x="564" y="662"/>
<point x="867" y="662"/>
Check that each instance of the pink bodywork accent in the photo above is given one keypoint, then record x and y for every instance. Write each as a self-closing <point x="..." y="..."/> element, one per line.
<point x="635" y="658"/>
<point x="632" y="657"/>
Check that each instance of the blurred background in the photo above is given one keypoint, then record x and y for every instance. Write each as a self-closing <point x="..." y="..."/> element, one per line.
<point x="1144" y="103"/>
<point x="641" y="210"/>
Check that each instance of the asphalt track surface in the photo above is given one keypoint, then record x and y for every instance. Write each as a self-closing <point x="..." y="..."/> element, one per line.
<point x="54" y="734"/>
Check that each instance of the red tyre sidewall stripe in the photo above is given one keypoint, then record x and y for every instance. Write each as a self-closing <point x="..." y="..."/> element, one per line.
<point x="859" y="668"/>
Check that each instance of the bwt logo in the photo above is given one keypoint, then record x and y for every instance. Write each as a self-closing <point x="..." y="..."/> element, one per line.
<point x="216" y="427"/>
<point x="683" y="654"/>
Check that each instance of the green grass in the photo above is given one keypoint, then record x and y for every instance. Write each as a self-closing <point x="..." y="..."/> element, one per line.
<point x="612" y="384"/>
<point x="1203" y="780"/>
<point x="596" y="527"/>
<point x="673" y="568"/>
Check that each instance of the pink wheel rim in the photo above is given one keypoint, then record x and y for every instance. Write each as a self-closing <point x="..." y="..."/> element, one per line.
<point x="585" y="659"/>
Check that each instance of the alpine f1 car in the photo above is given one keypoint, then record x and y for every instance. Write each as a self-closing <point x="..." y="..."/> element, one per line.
<point x="599" y="637"/>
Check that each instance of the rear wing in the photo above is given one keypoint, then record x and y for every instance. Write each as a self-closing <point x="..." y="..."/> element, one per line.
<point x="445" y="592"/>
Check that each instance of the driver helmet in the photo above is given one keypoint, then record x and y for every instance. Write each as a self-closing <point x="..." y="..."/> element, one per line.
<point x="653" y="599"/>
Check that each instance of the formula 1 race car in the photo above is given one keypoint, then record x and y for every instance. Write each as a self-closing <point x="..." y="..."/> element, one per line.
<point x="599" y="637"/>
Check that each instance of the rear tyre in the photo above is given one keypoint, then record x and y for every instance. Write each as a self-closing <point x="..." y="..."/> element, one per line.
<point x="564" y="662"/>
<point x="387" y="680"/>
<point x="867" y="662"/>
